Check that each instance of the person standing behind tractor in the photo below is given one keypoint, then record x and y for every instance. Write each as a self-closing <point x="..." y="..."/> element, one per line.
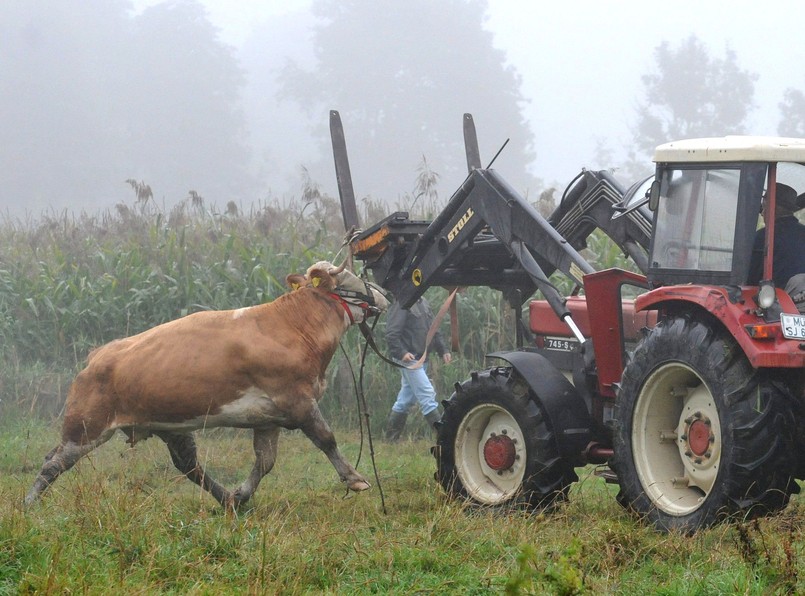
<point x="406" y="334"/>
<point x="789" y="246"/>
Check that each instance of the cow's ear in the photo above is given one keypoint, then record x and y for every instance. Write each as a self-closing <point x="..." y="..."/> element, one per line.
<point x="321" y="279"/>
<point x="295" y="281"/>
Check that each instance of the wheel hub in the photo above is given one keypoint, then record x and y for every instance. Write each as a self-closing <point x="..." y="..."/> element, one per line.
<point x="499" y="452"/>
<point x="698" y="436"/>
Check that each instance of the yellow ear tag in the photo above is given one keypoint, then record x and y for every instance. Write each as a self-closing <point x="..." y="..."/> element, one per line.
<point x="316" y="281"/>
<point x="294" y="286"/>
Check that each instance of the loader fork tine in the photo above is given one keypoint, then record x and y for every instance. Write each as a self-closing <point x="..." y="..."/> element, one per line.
<point x="471" y="144"/>
<point x="349" y="209"/>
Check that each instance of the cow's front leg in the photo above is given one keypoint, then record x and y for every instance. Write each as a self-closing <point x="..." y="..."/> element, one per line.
<point x="318" y="431"/>
<point x="265" y="453"/>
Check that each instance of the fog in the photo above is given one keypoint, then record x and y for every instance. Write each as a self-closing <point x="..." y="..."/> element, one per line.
<point x="189" y="96"/>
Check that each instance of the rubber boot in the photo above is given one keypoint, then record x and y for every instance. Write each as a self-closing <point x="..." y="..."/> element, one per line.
<point x="432" y="418"/>
<point x="395" y="425"/>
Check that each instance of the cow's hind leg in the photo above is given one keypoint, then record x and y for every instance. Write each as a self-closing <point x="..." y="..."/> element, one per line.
<point x="183" y="452"/>
<point x="265" y="452"/>
<point x="318" y="431"/>
<point x="59" y="460"/>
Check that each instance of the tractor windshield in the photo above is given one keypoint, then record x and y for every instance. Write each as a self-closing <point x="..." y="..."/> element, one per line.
<point x="695" y="222"/>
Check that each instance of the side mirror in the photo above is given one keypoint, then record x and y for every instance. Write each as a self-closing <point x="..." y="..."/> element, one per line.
<point x="654" y="195"/>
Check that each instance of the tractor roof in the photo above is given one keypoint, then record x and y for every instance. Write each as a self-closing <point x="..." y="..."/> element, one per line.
<point x="732" y="148"/>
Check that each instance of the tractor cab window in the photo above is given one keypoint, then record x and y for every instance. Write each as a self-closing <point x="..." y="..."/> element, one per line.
<point x="695" y="220"/>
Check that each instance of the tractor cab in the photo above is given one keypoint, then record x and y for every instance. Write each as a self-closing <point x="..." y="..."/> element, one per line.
<point x="706" y="200"/>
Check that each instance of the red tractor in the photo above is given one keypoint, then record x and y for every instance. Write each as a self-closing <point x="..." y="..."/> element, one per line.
<point x="685" y="380"/>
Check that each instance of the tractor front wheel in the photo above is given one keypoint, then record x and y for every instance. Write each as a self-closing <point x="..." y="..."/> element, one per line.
<point x="495" y="448"/>
<point x="700" y="434"/>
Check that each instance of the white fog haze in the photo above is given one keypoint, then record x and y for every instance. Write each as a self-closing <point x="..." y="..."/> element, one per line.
<point x="230" y="100"/>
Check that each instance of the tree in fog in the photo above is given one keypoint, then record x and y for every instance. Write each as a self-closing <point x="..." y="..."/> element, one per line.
<point x="402" y="73"/>
<point x="692" y="94"/>
<point x="92" y="96"/>
<point x="186" y="131"/>
<point x="58" y="100"/>
<point x="792" y="112"/>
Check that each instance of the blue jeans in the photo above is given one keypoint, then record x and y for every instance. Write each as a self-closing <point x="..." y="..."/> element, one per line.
<point x="415" y="388"/>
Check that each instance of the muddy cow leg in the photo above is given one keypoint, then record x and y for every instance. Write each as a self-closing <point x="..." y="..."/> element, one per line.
<point x="183" y="452"/>
<point x="265" y="453"/>
<point x="59" y="460"/>
<point x="318" y="431"/>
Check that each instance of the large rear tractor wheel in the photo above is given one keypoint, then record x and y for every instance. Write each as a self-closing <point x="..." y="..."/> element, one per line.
<point x="700" y="435"/>
<point x="495" y="448"/>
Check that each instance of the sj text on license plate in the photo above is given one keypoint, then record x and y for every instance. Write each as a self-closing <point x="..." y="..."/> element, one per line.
<point x="793" y="326"/>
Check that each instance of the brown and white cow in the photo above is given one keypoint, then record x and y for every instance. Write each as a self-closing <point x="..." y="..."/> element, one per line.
<point x="261" y="367"/>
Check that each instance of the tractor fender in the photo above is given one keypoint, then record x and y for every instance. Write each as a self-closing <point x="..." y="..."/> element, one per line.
<point x="733" y="313"/>
<point x="562" y="402"/>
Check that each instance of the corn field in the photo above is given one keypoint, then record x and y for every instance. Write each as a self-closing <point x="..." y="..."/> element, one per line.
<point x="69" y="283"/>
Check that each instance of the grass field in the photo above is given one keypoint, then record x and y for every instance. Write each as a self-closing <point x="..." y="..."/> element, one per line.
<point x="124" y="521"/>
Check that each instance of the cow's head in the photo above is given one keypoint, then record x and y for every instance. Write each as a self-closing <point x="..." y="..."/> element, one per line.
<point x="341" y="282"/>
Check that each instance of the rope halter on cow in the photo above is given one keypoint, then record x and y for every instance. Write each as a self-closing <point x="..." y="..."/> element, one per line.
<point x="350" y="291"/>
<point x="364" y="300"/>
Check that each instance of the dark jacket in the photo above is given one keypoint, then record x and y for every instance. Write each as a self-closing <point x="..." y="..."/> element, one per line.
<point x="789" y="251"/>
<point x="407" y="330"/>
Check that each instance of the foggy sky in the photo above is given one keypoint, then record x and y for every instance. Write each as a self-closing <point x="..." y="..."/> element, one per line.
<point x="580" y="64"/>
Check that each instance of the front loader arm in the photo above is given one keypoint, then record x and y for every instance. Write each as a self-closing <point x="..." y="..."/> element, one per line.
<point x="487" y="205"/>
<point x="486" y="235"/>
<point x="589" y="203"/>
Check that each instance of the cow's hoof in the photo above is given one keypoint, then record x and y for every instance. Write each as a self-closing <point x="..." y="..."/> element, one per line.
<point x="237" y="500"/>
<point x="359" y="485"/>
<point x="229" y="503"/>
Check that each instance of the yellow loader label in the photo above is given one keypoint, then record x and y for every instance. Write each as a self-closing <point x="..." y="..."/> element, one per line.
<point x="460" y="224"/>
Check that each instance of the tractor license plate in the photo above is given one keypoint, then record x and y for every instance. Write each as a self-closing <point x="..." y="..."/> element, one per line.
<point x="793" y="326"/>
<point x="560" y="344"/>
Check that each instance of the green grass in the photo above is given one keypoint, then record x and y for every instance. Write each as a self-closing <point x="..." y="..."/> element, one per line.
<point x="124" y="520"/>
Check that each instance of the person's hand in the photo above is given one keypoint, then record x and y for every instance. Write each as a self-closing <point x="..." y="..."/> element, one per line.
<point x="448" y="358"/>
<point x="408" y="357"/>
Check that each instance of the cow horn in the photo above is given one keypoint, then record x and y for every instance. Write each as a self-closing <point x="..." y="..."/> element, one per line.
<point x="347" y="261"/>
<point x="337" y="270"/>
